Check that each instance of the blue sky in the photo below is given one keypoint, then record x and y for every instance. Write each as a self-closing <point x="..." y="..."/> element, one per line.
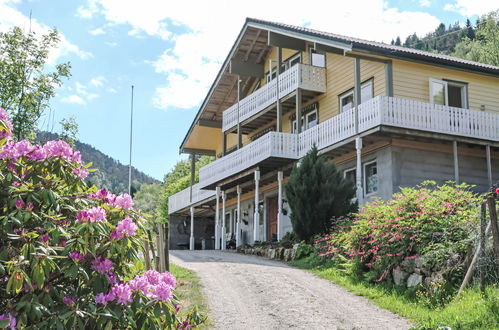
<point x="171" y="52"/>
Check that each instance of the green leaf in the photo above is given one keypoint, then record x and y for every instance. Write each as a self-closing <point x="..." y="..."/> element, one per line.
<point x="4" y="323"/>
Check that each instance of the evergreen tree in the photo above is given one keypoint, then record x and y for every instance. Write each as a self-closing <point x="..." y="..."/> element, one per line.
<point x="398" y="42"/>
<point x="317" y="192"/>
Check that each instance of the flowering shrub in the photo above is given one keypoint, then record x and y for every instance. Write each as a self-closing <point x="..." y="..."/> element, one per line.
<point x="429" y="221"/>
<point x="66" y="249"/>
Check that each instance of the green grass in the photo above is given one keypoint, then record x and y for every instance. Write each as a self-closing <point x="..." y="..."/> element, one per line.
<point x="471" y="310"/>
<point x="189" y="291"/>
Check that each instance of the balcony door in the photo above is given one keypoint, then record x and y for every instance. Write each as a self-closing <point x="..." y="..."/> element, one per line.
<point x="272" y="218"/>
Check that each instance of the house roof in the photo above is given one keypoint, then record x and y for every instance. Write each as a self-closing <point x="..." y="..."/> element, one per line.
<point x="251" y="46"/>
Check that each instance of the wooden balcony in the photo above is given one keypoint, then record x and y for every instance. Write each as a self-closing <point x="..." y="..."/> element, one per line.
<point x="311" y="79"/>
<point x="381" y="111"/>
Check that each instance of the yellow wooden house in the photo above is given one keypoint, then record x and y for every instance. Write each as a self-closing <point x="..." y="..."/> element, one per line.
<point x="387" y="116"/>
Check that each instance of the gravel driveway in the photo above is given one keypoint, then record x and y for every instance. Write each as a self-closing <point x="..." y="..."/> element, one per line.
<point x="248" y="292"/>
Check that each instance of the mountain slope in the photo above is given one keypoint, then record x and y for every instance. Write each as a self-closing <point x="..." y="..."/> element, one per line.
<point x="110" y="174"/>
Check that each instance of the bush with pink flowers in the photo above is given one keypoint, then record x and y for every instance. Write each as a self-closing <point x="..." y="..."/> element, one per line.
<point x="66" y="250"/>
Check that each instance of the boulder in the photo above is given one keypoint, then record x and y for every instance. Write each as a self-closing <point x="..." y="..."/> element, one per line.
<point x="399" y="276"/>
<point x="413" y="280"/>
<point x="287" y="254"/>
<point x="408" y="265"/>
<point x="419" y="262"/>
<point x="272" y="254"/>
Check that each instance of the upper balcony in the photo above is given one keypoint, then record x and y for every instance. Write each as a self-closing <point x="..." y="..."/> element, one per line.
<point x="182" y="199"/>
<point x="380" y="111"/>
<point x="311" y="79"/>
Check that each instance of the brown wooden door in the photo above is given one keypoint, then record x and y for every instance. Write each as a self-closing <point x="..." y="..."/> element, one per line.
<point x="272" y="217"/>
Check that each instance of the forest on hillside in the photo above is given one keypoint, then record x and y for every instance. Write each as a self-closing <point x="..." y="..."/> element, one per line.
<point x="476" y="42"/>
<point x="110" y="174"/>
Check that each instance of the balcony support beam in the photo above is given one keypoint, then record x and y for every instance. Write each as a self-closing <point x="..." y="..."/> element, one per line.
<point x="456" y="162"/>
<point x="191" y="240"/>
<point x="489" y="165"/>
<point x="358" y="171"/>
<point x="224" y="237"/>
<point x="256" y="219"/>
<point x="193" y="174"/>
<point x="238" y="219"/>
<point x="239" y="140"/>
<point x="279" y="204"/>
<point x="298" y="111"/>
<point x="224" y="143"/>
<point x="357" y="92"/>
<point x="217" y="219"/>
<point x="389" y="78"/>
<point x="278" y="102"/>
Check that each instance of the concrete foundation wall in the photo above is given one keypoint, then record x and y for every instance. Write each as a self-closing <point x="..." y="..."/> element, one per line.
<point x="180" y="231"/>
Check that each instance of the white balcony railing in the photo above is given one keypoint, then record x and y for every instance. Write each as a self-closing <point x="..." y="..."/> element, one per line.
<point x="272" y="144"/>
<point x="303" y="76"/>
<point x="182" y="199"/>
<point x="381" y="110"/>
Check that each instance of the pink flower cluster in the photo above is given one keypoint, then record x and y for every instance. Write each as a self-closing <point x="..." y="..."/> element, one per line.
<point x="95" y="214"/>
<point x="6" y="130"/>
<point x="51" y="149"/>
<point x="102" y="265"/>
<point x="125" y="227"/>
<point x="76" y="256"/>
<point x="152" y="284"/>
<point x="123" y="201"/>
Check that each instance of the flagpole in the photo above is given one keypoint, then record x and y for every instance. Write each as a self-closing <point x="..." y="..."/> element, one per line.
<point x="130" y="163"/>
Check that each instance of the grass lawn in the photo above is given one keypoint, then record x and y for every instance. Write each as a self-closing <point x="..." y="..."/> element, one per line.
<point x="469" y="311"/>
<point x="190" y="291"/>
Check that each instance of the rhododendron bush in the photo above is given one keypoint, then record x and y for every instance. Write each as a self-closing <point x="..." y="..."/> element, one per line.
<point x="437" y="223"/>
<point x="66" y="250"/>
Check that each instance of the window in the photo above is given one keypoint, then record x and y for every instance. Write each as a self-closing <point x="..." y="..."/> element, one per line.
<point x="271" y="76"/>
<point x="307" y="121"/>
<point x="318" y="59"/>
<point x="347" y="98"/>
<point x="351" y="175"/>
<point x="451" y="93"/>
<point x="293" y="60"/>
<point x="371" y="177"/>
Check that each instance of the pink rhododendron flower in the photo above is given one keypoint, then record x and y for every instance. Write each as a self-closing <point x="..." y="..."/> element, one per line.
<point x="122" y="293"/>
<point x="126" y="227"/>
<point x="102" y="265"/>
<point x="19" y="204"/>
<point x="62" y="150"/>
<point x="95" y="214"/>
<point x="81" y="172"/>
<point x="69" y="300"/>
<point x="76" y="256"/>
<point x="497" y="191"/>
<point x="37" y="154"/>
<point x="103" y="298"/>
<point x="123" y="201"/>
<point x="29" y="206"/>
<point x="12" y="323"/>
<point x="111" y="277"/>
<point x="44" y="238"/>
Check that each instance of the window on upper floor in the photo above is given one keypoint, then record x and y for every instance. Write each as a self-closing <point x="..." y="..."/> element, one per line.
<point x="317" y="59"/>
<point x="308" y="120"/>
<point x="351" y="175"/>
<point x="451" y="93"/>
<point x="288" y="63"/>
<point x="346" y="99"/>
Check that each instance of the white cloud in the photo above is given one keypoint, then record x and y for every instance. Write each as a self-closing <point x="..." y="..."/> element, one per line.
<point x="469" y="8"/>
<point x="425" y="3"/>
<point x="207" y="34"/>
<point x="97" y="81"/>
<point x="111" y="90"/>
<point x="97" y="32"/>
<point x="10" y="17"/>
<point x="73" y="99"/>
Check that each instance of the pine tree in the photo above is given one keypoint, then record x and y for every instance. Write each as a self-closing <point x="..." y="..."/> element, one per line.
<point x="317" y="192"/>
<point x="398" y="42"/>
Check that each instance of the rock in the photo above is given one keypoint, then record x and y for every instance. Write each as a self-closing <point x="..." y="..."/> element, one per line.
<point x="293" y="253"/>
<point x="408" y="265"/>
<point x="413" y="280"/>
<point x="399" y="276"/>
<point x="279" y="253"/>
<point x="418" y="271"/>
<point x="287" y="254"/>
<point x="272" y="254"/>
<point x="419" y="262"/>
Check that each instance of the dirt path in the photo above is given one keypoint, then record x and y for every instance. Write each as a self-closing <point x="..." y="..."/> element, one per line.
<point x="247" y="292"/>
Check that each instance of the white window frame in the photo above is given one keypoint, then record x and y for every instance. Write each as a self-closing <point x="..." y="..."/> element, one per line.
<point x="295" y="58"/>
<point x="351" y="169"/>
<point x="305" y="121"/>
<point x="367" y="83"/>
<point x="271" y="75"/>
<point x="364" y="172"/>
<point x="447" y="83"/>
<point x="344" y="96"/>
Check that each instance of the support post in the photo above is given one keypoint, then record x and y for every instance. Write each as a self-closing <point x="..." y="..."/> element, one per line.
<point x="224" y="143"/>
<point x="239" y="139"/>
<point x="358" y="146"/>
<point x="238" y="220"/>
<point x="494" y="226"/>
<point x="256" y="219"/>
<point x="279" y="204"/>
<point x="193" y="174"/>
<point x="483" y="225"/>
<point x="298" y="111"/>
<point x="278" y="104"/>
<point x="217" y="219"/>
<point x="389" y="78"/>
<point x="456" y="162"/>
<point x="489" y="165"/>
<point x="357" y="92"/>
<point x="191" y="241"/>
<point x="224" y="237"/>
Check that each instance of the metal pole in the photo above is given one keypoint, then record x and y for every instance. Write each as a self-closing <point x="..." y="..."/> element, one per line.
<point x="130" y="163"/>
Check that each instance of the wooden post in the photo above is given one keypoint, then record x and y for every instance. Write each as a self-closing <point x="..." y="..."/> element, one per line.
<point x="224" y="237"/>
<point x="147" y="254"/>
<point x="456" y="162"/>
<point x="494" y="226"/>
<point x="217" y="219"/>
<point x="151" y="246"/>
<point x="191" y="239"/>
<point x="489" y="165"/>
<point x="358" y="171"/>
<point x="278" y="102"/>
<point x="483" y="225"/>
<point x="166" y="248"/>
<point x="280" y="177"/>
<point x="256" y="219"/>
<point x="238" y="220"/>
<point x="357" y="92"/>
<point x="239" y="139"/>
<point x="298" y="111"/>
